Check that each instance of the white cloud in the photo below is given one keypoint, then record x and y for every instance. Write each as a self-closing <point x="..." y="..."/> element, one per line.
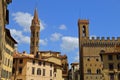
<point x="19" y="37"/>
<point x="42" y="25"/>
<point x="77" y="57"/>
<point x="62" y="27"/>
<point x="24" y="20"/>
<point x="43" y="42"/>
<point x="55" y="36"/>
<point x="69" y="43"/>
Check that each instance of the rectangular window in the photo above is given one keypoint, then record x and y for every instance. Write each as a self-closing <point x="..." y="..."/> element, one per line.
<point x="111" y="66"/>
<point x="54" y="75"/>
<point x="118" y="57"/>
<point x="50" y="72"/>
<point x="8" y="62"/>
<point x="39" y="63"/>
<point x="38" y="71"/>
<point x="43" y="63"/>
<point x="118" y="66"/>
<point x="33" y="62"/>
<point x="51" y="65"/>
<point x="110" y="57"/>
<point x="5" y="61"/>
<point x="43" y="72"/>
<point x="20" y="70"/>
<point x="111" y="76"/>
<point x="55" y="70"/>
<point x="33" y="70"/>
<point x="21" y="61"/>
<point x="13" y="61"/>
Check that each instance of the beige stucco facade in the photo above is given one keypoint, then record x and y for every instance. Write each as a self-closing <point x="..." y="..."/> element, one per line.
<point x="52" y="70"/>
<point x="7" y="57"/>
<point x="56" y="58"/>
<point x="2" y="33"/>
<point x="6" y="42"/>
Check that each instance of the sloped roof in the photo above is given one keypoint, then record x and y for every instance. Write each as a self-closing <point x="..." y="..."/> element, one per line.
<point x="30" y="56"/>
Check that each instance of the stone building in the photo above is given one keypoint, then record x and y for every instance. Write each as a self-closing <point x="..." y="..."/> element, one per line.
<point x="49" y="63"/>
<point x="111" y="65"/>
<point x="69" y="74"/>
<point x="7" y="56"/>
<point x="6" y="42"/>
<point x="35" y="28"/>
<point x="57" y="58"/>
<point x="75" y="71"/>
<point x="28" y="67"/>
<point x="90" y="62"/>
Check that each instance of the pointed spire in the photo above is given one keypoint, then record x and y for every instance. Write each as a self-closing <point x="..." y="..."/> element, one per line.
<point x="35" y="14"/>
<point x="35" y="18"/>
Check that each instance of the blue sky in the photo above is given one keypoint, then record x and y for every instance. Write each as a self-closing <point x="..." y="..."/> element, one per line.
<point x="59" y="30"/>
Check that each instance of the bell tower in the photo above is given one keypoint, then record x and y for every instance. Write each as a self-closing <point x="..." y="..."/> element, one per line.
<point x="83" y="29"/>
<point x="83" y="33"/>
<point x="35" y="29"/>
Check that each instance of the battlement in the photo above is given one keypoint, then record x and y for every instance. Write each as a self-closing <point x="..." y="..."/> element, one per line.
<point x="100" y="41"/>
<point x="103" y="38"/>
<point x="83" y="21"/>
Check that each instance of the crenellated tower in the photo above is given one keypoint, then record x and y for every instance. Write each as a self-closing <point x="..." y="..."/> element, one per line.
<point x="83" y="28"/>
<point x="35" y="29"/>
<point x="89" y="52"/>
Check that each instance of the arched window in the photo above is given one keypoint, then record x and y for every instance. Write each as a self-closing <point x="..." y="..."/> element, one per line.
<point x="89" y="71"/>
<point x="36" y="43"/>
<point x="102" y="51"/>
<point x="37" y="55"/>
<point x="88" y="59"/>
<point x="38" y="71"/>
<point x="37" y="33"/>
<point x="84" y="30"/>
<point x="33" y="34"/>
